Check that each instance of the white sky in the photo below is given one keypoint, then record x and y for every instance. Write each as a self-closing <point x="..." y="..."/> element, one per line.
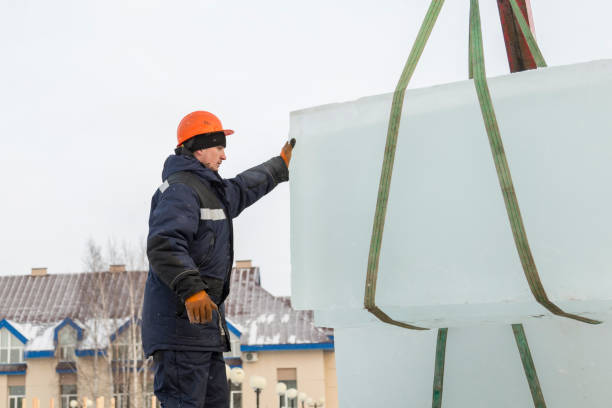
<point x="91" y="93"/>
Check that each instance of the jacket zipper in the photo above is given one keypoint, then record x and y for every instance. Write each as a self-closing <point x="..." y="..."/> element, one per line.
<point x="221" y="330"/>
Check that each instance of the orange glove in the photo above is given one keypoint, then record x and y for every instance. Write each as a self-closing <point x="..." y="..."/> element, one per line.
<point x="200" y="308"/>
<point x="286" y="152"/>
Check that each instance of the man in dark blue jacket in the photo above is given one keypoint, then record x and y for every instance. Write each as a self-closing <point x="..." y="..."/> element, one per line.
<point x="190" y="250"/>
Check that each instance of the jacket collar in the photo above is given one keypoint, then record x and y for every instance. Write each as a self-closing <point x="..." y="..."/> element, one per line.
<point x="184" y="160"/>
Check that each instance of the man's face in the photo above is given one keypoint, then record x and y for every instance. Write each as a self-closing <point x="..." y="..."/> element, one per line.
<point x="211" y="157"/>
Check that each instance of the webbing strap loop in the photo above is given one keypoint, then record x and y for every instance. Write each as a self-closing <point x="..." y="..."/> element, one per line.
<point x="503" y="170"/>
<point x="387" y="166"/>
<point x="476" y="71"/>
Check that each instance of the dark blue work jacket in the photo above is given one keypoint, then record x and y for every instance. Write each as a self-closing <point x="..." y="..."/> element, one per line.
<point x="190" y="248"/>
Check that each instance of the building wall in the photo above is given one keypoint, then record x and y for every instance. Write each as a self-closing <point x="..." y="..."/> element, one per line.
<point x="331" y="381"/>
<point x="9" y="381"/>
<point x="15" y="380"/>
<point x="316" y="376"/>
<point x="42" y="382"/>
<point x="3" y="391"/>
<point x="312" y="376"/>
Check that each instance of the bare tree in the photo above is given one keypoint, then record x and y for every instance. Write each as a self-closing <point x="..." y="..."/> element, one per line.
<point x="92" y="259"/>
<point x="95" y="374"/>
<point x="132" y="382"/>
<point x="122" y="364"/>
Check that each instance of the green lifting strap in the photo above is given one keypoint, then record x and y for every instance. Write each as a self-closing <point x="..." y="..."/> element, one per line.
<point x="528" y="366"/>
<point x="387" y="166"/>
<point x="438" y="383"/>
<point x="503" y="171"/>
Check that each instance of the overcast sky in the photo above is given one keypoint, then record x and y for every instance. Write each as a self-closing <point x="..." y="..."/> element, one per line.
<point x="91" y="93"/>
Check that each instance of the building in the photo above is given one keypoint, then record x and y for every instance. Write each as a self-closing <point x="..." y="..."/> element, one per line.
<point x="277" y="342"/>
<point x="75" y="336"/>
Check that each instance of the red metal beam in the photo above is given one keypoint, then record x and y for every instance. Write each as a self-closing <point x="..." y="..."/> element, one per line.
<point x="519" y="56"/>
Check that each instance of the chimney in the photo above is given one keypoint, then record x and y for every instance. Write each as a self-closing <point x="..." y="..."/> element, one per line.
<point x="39" y="271"/>
<point x="247" y="263"/>
<point x="116" y="268"/>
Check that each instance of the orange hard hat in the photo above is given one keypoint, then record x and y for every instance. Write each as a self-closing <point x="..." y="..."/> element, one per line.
<point x="197" y="123"/>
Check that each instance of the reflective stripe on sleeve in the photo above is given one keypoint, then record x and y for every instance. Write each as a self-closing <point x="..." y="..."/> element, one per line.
<point x="164" y="186"/>
<point x="212" y="214"/>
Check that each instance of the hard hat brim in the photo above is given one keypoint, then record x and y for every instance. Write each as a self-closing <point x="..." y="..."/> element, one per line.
<point x="227" y="132"/>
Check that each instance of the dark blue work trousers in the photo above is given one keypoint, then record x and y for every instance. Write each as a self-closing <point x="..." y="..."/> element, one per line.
<point x="190" y="379"/>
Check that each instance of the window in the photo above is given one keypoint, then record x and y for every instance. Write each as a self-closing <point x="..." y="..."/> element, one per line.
<point x="234" y="347"/>
<point x="68" y="393"/>
<point x="16" y="396"/>
<point x="67" y="342"/>
<point x="288" y="376"/>
<point x="121" y="395"/>
<point x="121" y="352"/>
<point x="122" y="349"/>
<point x="11" y="348"/>
<point x="235" y="395"/>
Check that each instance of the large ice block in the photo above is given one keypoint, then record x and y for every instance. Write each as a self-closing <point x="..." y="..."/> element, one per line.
<point x="448" y="256"/>
<point x="483" y="366"/>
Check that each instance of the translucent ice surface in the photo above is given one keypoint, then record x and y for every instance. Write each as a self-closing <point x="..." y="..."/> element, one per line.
<point x="448" y="256"/>
<point x="482" y="367"/>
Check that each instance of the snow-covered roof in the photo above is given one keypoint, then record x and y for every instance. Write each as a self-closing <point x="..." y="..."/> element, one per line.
<point x="266" y="319"/>
<point x="80" y="296"/>
<point x="36" y="306"/>
<point x="42" y="336"/>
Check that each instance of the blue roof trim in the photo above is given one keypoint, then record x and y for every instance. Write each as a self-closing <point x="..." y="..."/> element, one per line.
<point x="66" y="371"/>
<point x="89" y="352"/>
<point x="122" y="328"/>
<point x="306" y="346"/>
<point x="233" y="328"/>
<point x="68" y="322"/>
<point x="39" y="354"/>
<point x="14" y="331"/>
<point x="12" y="372"/>
<point x="235" y="359"/>
<point x="128" y="369"/>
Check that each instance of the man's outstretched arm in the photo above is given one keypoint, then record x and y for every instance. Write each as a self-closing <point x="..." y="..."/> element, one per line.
<point x="252" y="184"/>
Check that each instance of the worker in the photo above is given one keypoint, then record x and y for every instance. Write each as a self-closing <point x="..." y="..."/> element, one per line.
<point x="190" y="251"/>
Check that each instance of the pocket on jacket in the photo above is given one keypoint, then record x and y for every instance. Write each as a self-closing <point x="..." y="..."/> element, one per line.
<point x="208" y="333"/>
<point x="181" y="311"/>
